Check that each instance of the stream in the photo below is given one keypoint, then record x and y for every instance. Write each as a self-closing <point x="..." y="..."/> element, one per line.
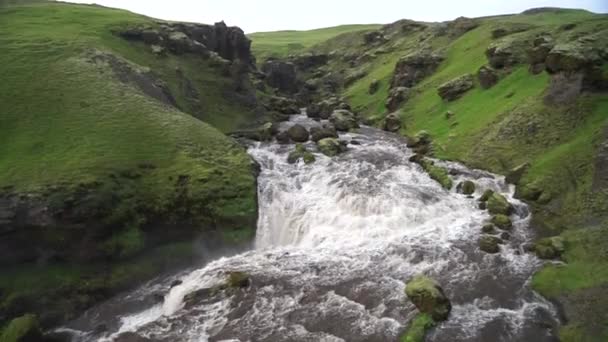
<point x="337" y="240"/>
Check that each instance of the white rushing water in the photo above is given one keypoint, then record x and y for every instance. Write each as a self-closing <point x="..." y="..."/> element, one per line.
<point x="337" y="241"/>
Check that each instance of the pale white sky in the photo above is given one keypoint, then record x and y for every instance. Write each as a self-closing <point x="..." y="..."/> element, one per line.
<point x="273" y="15"/>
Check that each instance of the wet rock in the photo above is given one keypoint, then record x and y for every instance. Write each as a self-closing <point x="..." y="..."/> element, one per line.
<point x="344" y="120"/>
<point x="300" y="153"/>
<point x="23" y="329"/>
<point x="516" y="173"/>
<point x="488" y="229"/>
<point x="506" y="53"/>
<point x="414" y="67"/>
<point x="467" y="187"/>
<point x="455" y="88"/>
<point x="505" y="236"/>
<point x="326" y="131"/>
<point x="176" y="283"/>
<point x="282" y="105"/>
<point x="482" y="206"/>
<point x="281" y="75"/>
<point x="549" y="248"/>
<point x="298" y="133"/>
<point x="486" y="195"/>
<point x="428" y="297"/>
<point x="489" y="244"/>
<point x="487" y="77"/>
<point x="392" y="122"/>
<point x="131" y="337"/>
<point x="421" y="143"/>
<point x="502" y="222"/>
<point x="396" y="97"/>
<point x="325" y="108"/>
<point x="283" y="137"/>
<point x="373" y="87"/>
<point x="498" y="204"/>
<point x="238" y="280"/>
<point x="331" y="147"/>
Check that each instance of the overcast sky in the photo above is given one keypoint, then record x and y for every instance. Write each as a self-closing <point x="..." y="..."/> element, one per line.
<point x="273" y="15"/>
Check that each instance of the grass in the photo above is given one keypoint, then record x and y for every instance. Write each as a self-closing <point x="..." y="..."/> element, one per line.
<point x="284" y="43"/>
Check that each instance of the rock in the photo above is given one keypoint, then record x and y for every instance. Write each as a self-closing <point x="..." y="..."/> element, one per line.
<point x="343" y="120"/>
<point x="313" y="111"/>
<point x="353" y="77"/>
<point x="331" y="147"/>
<point x="22" y="329"/>
<point x="455" y="88"/>
<point x="460" y="26"/>
<point x="482" y="206"/>
<point x="282" y="105"/>
<point x="467" y="187"/>
<point x="396" y="97"/>
<point x="489" y="244"/>
<point x="421" y="143"/>
<point x="131" y="337"/>
<point x="515" y="174"/>
<point x="428" y="297"/>
<point x="374" y="86"/>
<point x="540" y="49"/>
<point x="502" y="221"/>
<point x="488" y="229"/>
<point x="511" y="28"/>
<point x="549" y="248"/>
<point x="449" y="114"/>
<point x="392" y="122"/>
<point x="175" y="283"/>
<point x="486" y="195"/>
<point x="414" y="67"/>
<point x="506" y="53"/>
<point x="564" y="88"/>
<point x="179" y="43"/>
<point x="571" y="57"/>
<point x="301" y="153"/>
<point x="529" y="192"/>
<point x="438" y="174"/>
<point x="498" y="204"/>
<point x="325" y="108"/>
<point x="600" y="176"/>
<point x="505" y="236"/>
<point x="281" y="75"/>
<point x="283" y="138"/>
<point x="308" y="61"/>
<point x="374" y="37"/>
<point x="298" y="133"/>
<point x="238" y="280"/>
<point x="326" y="131"/>
<point x="487" y="77"/>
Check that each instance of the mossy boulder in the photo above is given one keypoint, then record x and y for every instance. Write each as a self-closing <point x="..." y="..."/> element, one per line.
<point x="392" y="122"/>
<point x="498" y="204"/>
<point x="326" y="131"/>
<point x="344" y="120"/>
<point x="486" y="195"/>
<point x="487" y="77"/>
<point x="467" y="187"/>
<point x="549" y="248"/>
<point x="437" y="173"/>
<point x="506" y="53"/>
<point x="455" y="88"/>
<point x="238" y="280"/>
<point x="396" y="97"/>
<point x="300" y="153"/>
<point x="331" y="147"/>
<point x="23" y="329"/>
<point x="571" y="57"/>
<point x="298" y="133"/>
<point x="428" y="297"/>
<point x="489" y="244"/>
<point x="414" y="67"/>
<point x="488" y="229"/>
<point x="502" y="221"/>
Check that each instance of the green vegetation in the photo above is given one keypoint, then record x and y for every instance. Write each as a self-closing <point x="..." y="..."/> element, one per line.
<point x="284" y="43"/>
<point x="25" y="328"/>
<point x="437" y="173"/>
<point x="418" y="328"/>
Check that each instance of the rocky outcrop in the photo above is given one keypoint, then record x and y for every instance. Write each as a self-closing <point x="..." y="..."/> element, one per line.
<point x="344" y="120"/>
<point x="325" y="131"/>
<point x="374" y="38"/>
<point x="549" y="248"/>
<point x="396" y="97"/>
<point x="571" y="57"/>
<point x="324" y="109"/>
<point x="428" y="297"/>
<point x="281" y="75"/>
<point x="414" y="67"/>
<point x="509" y="29"/>
<point x="455" y="88"/>
<point x="487" y="77"/>
<point x="506" y="53"/>
<point x="331" y="147"/>
<point x="460" y="26"/>
<point x="537" y="54"/>
<point x="230" y="43"/>
<point x="309" y="61"/>
<point x="392" y="122"/>
<point x="515" y="174"/>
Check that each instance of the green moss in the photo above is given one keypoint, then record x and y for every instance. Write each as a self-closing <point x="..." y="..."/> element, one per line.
<point x="238" y="279"/>
<point x="126" y="242"/>
<point x="498" y="205"/>
<point x="502" y="221"/>
<point x="24" y="328"/>
<point x="418" y="328"/>
<point x="439" y="174"/>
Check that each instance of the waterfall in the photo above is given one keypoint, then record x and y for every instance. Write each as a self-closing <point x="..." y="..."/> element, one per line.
<point x="337" y="241"/>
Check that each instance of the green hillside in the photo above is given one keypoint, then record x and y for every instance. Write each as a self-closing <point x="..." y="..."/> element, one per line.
<point x="120" y="174"/>
<point x="505" y="126"/>
<point x="284" y="43"/>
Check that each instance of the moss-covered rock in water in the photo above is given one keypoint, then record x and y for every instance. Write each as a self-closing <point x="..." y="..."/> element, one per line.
<point x="549" y="248"/>
<point x="437" y="173"/>
<point x="344" y="120"/>
<point x="331" y="147"/>
<point x="238" y="279"/>
<point x="418" y="328"/>
<point x="23" y="329"/>
<point x="502" y="221"/>
<point x="488" y="229"/>
<point x="489" y="244"/>
<point x="298" y="133"/>
<point x="428" y="297"/>
<point x="498" y="204"/>
<point x="467" y="187"/>
<point x="301" y="153"/>
<point x="486" y="195"/>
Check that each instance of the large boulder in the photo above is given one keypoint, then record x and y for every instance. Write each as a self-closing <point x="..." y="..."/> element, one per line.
<point x="298" y="133"/>
<point x="574" y="56"/>
<point x="466" y="188"/>
<point x="331" y="146"/>
<point x="23" y="329"/>
<point x="396" y="97"/>
<point x="498" y="204"/>
<point x="282" y="105"/>
<point x="487" y="77"/>
<point x="344" y="120"/>
<point x="325" y="131"/>
<point x="324" y="109"/>
<point x="428" y="297"/>
<point x="541" y="46"/>
<point x="414" y="67"/>
<point x="506" y="53"/>
<point x="460" y="26"/>
<point x="392" y="122"/>
<point x="550" y="248"/>
<point x="300" y="152"/>
<point x="489" y="244"/>
<point x="455" y="88"/>
<point x="281" y="75"/>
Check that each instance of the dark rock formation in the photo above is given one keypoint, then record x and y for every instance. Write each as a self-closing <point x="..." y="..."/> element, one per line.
<point x="281" y="75"/>
<point x="460" y="26"/>
<point x="298" y="133"/>
<point x="516" y="173"/>
<point x="373" y="87"/>
<point x="512" y="28"/>
<point x="489" y="244"/>
<point x="414" y="67"/>
<point x="374" y="37"/>
<point x="455" y="88"/>
<point x="308" y="61"/>
<point x="344" y="120"/>
<point x="392" y="122"/>
<point x="564" y="88"/>
<point x="331" y="147"/>
<point x="396" y="97"/>
<point x="487" y="77"/>
<point x="506" y="53"/>
<point x="326" y="131"/>
<point x="282" y="105"/>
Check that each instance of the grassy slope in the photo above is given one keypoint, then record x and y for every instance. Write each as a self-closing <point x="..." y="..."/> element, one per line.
<point x="283" y="43"/>
<point x="490" y="130"/>
<point x="66" y="121"/>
